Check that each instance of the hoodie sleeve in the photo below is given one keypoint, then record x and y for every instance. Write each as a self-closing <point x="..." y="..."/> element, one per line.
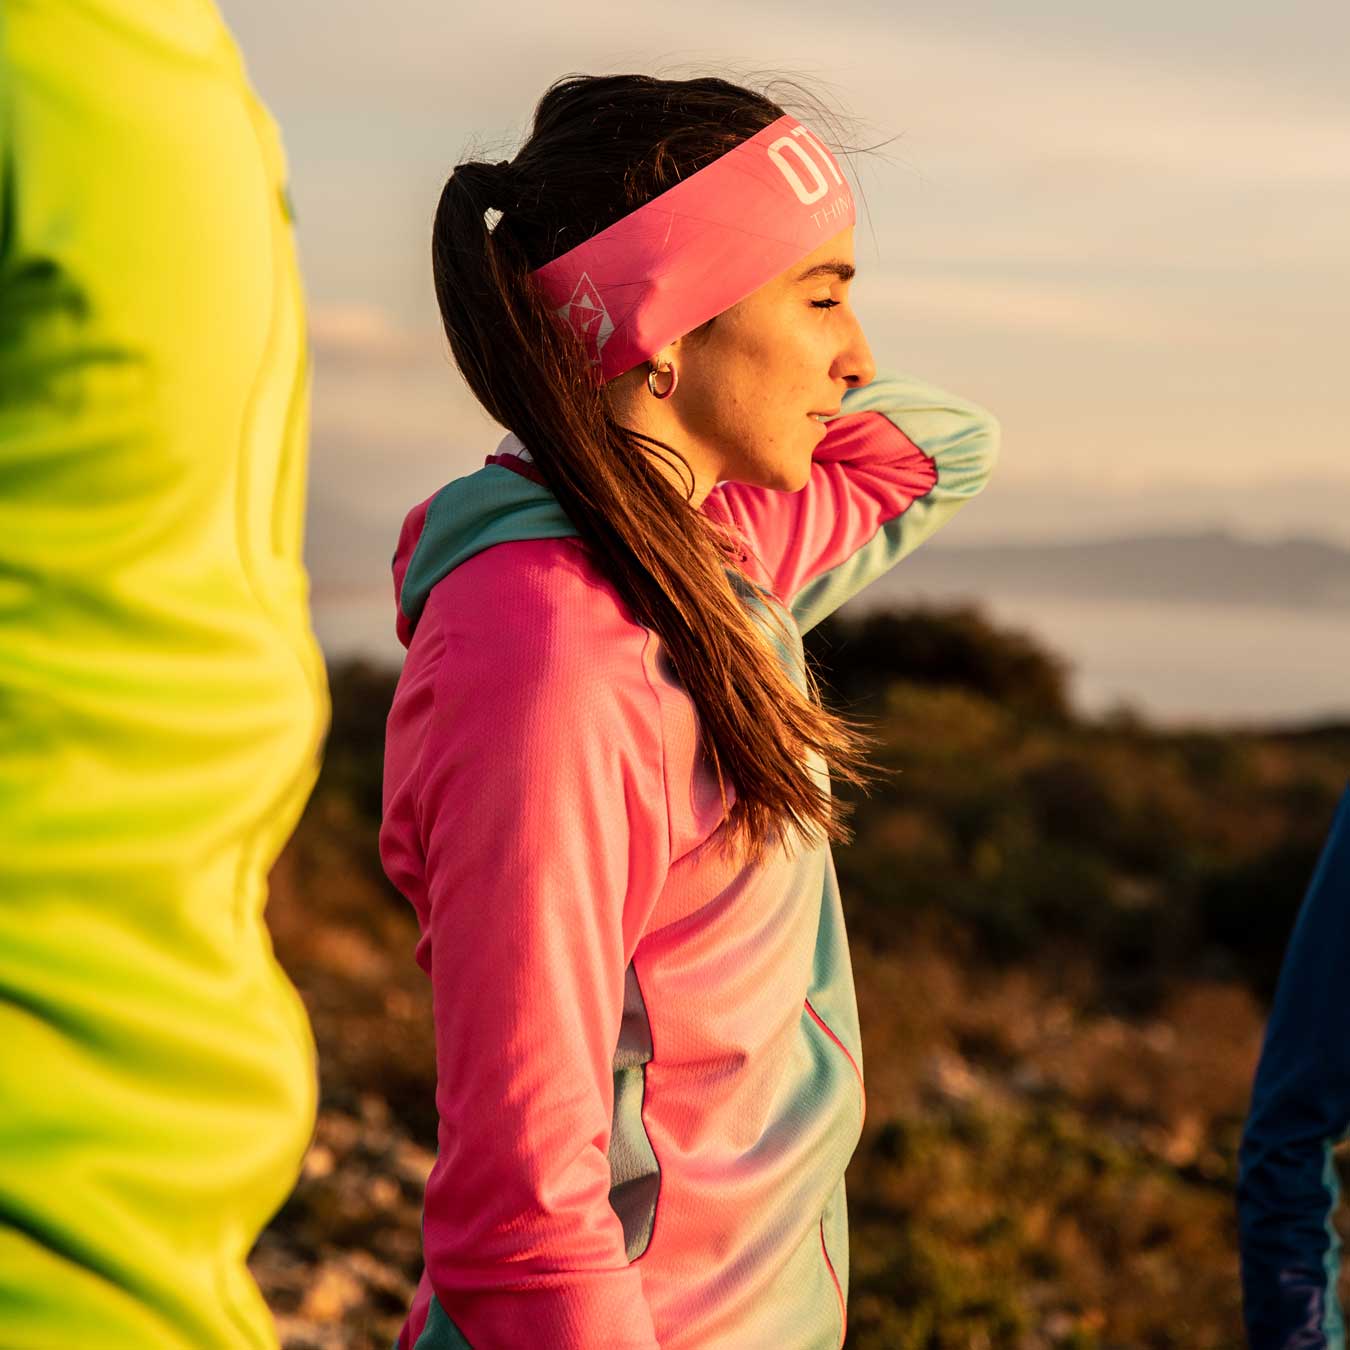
<point x="896" y="463"/>
<point x="542" y="815"/>
<point x="1300" y="1109"/>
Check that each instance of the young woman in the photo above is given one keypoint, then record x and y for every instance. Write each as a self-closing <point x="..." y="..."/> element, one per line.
<point x="606" y="786"/>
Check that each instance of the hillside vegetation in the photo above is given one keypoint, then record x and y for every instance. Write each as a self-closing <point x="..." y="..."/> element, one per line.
<point x="1065" y="935"/>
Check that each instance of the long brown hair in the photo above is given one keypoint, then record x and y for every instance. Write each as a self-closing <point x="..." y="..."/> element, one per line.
<point x="602" y="146"/>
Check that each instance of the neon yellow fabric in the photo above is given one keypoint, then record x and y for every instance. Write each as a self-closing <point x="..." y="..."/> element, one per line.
<point x="162" y="697"/>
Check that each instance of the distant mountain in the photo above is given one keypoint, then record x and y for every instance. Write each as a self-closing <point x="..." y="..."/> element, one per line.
<point x="1213" y="566"/>
<point x="347" y="551"/>
<point x="1015" y="507"/>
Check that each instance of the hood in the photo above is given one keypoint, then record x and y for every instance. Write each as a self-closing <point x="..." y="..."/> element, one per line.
<point x="506" y="499"/>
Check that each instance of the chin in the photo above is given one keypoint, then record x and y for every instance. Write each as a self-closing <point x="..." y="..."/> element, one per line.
<point x="787" y="480"/>
<point x="782" y="474"/>
<point x="790" y="477"/>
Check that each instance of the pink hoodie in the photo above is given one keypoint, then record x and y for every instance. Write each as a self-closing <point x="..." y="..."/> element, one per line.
<point x="649" y="1075"/>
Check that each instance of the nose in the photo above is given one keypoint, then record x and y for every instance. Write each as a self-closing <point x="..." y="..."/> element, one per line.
<point x="854" y="362"/>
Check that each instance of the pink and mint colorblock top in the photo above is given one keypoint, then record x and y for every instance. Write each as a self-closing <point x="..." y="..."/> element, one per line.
<point x="650" y="1080"/>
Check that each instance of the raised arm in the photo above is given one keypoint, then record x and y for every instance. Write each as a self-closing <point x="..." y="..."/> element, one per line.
<point x="898" y="461"/>
<point x="541" y="811"/>
<point x="1287" y="1184"/>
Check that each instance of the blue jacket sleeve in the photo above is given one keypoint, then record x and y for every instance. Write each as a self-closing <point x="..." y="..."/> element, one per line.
<point x="1300" y="1108"/>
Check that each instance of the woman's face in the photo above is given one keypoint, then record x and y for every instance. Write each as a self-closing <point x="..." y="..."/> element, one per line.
<point x="740" y="410"/>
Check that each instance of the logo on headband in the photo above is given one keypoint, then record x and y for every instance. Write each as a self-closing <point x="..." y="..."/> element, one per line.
<point x="588" y="317"/>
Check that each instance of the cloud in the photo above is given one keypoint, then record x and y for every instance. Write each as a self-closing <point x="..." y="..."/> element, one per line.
<point x="349" y="331"/>
<point x="1083" y="109"/>
<point x="1091" y="116"/>
<point x="1005" y="304"/>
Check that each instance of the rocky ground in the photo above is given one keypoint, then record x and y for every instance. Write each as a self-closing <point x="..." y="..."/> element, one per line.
<point x="1035" y="1170"/>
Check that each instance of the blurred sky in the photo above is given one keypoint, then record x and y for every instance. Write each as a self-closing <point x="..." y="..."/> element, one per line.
<point x="1121" y="227"/>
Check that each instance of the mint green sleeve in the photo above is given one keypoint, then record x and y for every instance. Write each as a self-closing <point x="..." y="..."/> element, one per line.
<point x="162" y="697"/>
<point x="897" y="463"/>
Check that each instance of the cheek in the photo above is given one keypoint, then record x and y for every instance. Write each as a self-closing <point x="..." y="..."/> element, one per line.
<point x="804" y="351"/>
<point x="754" y="386"/>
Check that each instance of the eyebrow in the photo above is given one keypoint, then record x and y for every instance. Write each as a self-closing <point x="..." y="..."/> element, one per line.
<point x="844" y="271"/>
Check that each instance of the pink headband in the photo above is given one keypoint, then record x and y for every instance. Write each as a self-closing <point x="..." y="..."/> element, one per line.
<point x="699" y="247"/>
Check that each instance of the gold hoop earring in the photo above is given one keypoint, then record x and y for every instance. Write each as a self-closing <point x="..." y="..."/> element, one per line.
<point x="674" y="379"/>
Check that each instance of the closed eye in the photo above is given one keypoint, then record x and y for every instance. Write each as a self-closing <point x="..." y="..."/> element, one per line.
<point x="824" y="304"/>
